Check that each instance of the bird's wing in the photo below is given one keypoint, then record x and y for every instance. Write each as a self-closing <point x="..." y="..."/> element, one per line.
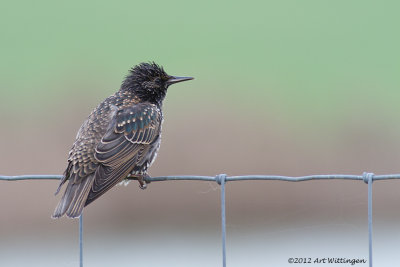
<point x="125" y="145"/>
<point x="81" y="169"/>
<point x="80" y="174"/>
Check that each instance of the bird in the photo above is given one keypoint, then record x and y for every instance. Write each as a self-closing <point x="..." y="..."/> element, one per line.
<point x="118" y="141"/>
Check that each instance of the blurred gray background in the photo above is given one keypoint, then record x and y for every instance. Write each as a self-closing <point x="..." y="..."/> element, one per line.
<point x="282" y="87"/>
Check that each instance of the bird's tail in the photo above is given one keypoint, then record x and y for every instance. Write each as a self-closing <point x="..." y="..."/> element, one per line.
<point x="74" y="197"/>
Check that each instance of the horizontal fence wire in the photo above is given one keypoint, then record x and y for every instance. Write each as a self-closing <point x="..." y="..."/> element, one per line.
<point x="221" y="179"/>
<point x="227" y="179"/>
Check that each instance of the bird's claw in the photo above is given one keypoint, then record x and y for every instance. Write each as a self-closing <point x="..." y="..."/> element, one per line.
<point x="143" y="186"/>
<point x="141" y="179"/>
<point x="142" y="182"/>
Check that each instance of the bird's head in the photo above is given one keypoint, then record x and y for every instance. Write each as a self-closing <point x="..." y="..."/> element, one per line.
<point x="150" y="82"/>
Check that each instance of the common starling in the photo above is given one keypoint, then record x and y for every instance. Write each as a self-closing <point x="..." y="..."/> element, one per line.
<point x="119" y="139"/>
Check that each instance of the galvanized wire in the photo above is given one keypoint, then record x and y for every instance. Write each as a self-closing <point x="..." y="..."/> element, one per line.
<point x="368" y="178"/>
<point x="30" y="177"/>
<point x="227" y="179"/>
<point x="221" y="180"/>
<point x="81" y="240"/>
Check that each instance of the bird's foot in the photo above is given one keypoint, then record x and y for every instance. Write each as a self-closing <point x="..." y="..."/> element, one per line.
<point x="142" y="183"/>
<point x="141" y="179"/>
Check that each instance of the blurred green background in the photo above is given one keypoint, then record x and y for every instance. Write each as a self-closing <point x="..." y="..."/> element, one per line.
<point x="282" y="87"/>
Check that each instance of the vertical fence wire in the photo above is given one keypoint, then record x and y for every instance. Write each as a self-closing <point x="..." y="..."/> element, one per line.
<point x="370" y="221"/>
<point x="368" y="178"/>
<point x="81" y="240"/>
<point x="221" y="180"/>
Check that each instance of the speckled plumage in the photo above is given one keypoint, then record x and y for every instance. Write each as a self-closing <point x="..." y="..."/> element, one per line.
<point x="120" y="138"/>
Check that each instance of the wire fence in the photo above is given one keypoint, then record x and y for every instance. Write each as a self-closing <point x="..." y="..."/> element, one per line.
<point x="221" y="179"/>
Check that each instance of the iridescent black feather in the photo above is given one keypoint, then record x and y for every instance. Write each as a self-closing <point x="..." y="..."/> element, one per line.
<point x="147" y="80"/>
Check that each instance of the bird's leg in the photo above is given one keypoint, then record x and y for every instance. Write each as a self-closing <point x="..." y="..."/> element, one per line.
<point x="141" y="179"/>
<point x="142" y="182"/>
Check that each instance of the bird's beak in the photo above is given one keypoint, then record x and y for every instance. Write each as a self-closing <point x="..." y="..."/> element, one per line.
<point x="176" y="79"/>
